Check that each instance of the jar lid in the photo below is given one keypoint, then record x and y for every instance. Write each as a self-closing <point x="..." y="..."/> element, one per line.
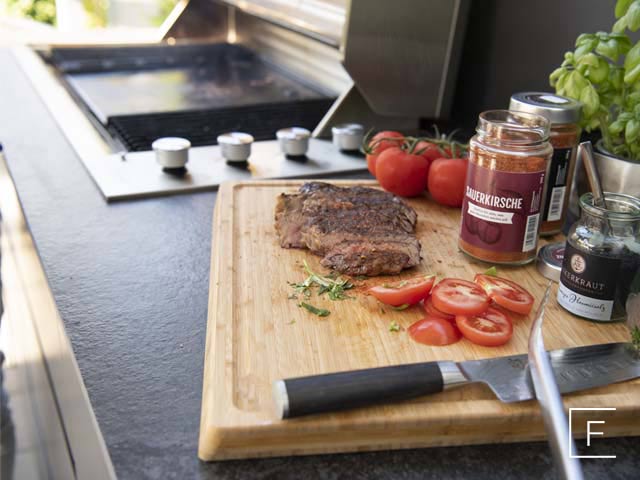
<point x="556" y="108"/>
<point x="550" y="260"/>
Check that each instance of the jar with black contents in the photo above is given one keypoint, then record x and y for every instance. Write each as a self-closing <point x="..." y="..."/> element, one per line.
<point x="564" y="115"/>
<point x="601" y="265"/>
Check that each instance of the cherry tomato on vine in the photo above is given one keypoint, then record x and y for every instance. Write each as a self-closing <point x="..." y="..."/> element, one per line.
<point x="447" y="179"/>
<point x="402" y="173"/>
<point x="379" y="143"/>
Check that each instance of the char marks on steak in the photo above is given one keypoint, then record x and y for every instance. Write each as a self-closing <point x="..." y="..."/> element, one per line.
<point x="357" y="230"/>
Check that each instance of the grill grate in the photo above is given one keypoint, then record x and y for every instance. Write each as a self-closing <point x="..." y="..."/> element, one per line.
<point x="201" y="127"/>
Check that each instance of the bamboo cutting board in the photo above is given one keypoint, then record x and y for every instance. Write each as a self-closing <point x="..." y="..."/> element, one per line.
<point x="256" y="335"/>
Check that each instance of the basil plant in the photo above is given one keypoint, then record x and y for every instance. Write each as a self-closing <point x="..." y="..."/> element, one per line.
<point x="603" y="72"/>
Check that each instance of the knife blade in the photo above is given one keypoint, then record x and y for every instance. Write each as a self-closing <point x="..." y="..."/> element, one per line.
<point x="548" y="395"/>
<point x="575" y="369"/>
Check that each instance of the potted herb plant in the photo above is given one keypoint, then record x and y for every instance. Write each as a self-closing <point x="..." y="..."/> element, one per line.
<point x="603" y="72"/>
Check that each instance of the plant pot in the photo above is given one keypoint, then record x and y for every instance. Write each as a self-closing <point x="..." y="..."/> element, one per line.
<point x="617" y="174"/>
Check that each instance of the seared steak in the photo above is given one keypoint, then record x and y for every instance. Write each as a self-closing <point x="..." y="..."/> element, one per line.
<point x="358" y="230"/>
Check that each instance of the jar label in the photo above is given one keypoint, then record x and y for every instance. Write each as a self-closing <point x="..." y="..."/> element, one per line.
<point x="501" y="210"/>
<point x="588" y="283"/>
<point x="557" y="188"/>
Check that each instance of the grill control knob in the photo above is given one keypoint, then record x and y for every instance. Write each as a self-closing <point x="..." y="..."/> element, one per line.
<point x="294" y="141"/>
<point x="171" y="152"/>
<point x="235" y="146"/>
<point x="348" y="136"/>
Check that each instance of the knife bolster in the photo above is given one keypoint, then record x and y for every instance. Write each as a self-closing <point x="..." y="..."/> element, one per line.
<point x="452" y="377"/>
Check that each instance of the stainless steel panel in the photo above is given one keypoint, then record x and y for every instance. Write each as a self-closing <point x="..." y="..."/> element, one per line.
<point x="404" y="59"/>
<point x="138" y="175"/>
<point x="302" y="56"/>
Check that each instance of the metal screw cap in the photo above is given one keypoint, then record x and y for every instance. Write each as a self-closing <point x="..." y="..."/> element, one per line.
<point x="171" y="152"/>
<point x="550" y="260"/>
<point x="235" y="146"/>
<point x="294" y="141"/>
<point x="348" y="136"/>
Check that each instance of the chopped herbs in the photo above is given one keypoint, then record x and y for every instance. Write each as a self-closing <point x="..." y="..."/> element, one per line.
<point x="492" y="272"/>
<point x="401" y="307"/>
<point x="331" y="285"/>
<point x="321" y="312"/>
<point x="394" y="327"/>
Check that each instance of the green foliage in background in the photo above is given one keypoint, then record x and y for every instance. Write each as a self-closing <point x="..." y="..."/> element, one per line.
<point x="603" y="72"/>
<point x="164" y="10"/>
<point x="40" y="10"/>
<point x="97" y="11"/>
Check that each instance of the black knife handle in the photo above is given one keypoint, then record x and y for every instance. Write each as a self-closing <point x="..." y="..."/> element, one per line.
<point x="295" y="397"/>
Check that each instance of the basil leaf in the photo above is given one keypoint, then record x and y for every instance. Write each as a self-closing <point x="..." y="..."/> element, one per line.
<point x="633" y="16"/>
<point x="590" y="100"/>
<point x="622" y="6"/>
<point x="632" y="131"/>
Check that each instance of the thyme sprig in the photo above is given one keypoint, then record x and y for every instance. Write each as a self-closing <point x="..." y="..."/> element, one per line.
<point x="321" y="312"/>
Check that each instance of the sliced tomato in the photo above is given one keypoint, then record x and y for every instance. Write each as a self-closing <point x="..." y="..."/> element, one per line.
<point x="490" y="329"/>
<point x="405" y="292"/>
<point x="434" y="312"/>
<point x="506" y="293"/>
<point x="459" y="297"/>
<point x="434" y="331"/>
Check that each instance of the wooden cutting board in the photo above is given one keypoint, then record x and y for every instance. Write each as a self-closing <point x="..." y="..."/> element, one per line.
<point x="256" y="335"/>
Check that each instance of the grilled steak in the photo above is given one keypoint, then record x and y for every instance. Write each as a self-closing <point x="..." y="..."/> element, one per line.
<point x="357" y="230"/>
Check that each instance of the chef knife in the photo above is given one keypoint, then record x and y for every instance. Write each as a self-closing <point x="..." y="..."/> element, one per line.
<point x="575" y="369"/>
<point x="546" y="390"/>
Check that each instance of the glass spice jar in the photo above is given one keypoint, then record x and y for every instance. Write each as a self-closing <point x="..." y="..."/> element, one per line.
<point x="564" y="115"/>
<point x="601" y="265"/>
<point x="504" y="192"/>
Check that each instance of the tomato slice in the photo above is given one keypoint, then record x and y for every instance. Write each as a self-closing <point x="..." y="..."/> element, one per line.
<point x="459" y="297"/>
<point x="490" y="329"/>
<point x="434" y="312"/>
<point x="405" y="292"/>
<point x="506" y="293"/>
<point x="434" y="331"/>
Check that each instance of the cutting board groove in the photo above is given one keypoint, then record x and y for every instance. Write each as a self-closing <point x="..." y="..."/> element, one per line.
<point x="255" y="335"/>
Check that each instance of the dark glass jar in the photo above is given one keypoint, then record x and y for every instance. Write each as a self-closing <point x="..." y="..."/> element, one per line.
<point x="601" y="265"/>
<point x="564" y="115"/>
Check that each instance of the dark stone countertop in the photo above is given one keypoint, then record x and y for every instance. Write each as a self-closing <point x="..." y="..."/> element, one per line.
<point x="131" y="281"/>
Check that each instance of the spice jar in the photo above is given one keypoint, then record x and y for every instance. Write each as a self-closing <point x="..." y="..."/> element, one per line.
<point x="601" y="265"/>
<point x="504" y="192"/>
<point x="564" y="115"/>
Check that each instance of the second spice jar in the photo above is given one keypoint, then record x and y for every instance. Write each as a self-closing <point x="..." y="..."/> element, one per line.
<point x="564" y="115"/>
<point x="504" y="192"/>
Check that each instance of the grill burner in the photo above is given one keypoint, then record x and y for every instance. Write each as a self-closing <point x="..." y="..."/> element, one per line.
<point x="201" y="127"/>
<point x="138" y="94"/>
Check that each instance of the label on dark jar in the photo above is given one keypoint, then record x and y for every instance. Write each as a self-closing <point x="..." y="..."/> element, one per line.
<point x="588" y="284"/>
<point x="501" y="210"/>
<point x="557" y="189"/>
